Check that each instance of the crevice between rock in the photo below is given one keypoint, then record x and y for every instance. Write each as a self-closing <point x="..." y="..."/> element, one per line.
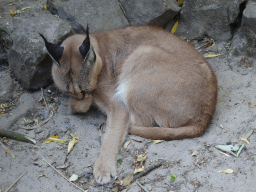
<point x="237" y="23"/>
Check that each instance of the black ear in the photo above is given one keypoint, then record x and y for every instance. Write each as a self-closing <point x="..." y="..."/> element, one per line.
<point x="85" y="47"/>
<point x="54" y="50"/>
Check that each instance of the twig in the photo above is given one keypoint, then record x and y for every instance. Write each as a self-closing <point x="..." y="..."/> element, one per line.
<point x="7" y="150"/>
<point x="209" y="43"/>
<point x="141" y="186"/>
<point x="143" y="173"/>
<point x="42" y="90"/>
<point x="147" y="170"/>
<point x="127" y="188"/>
<point x="64" y="177"/>
<point x="15" y="182"/>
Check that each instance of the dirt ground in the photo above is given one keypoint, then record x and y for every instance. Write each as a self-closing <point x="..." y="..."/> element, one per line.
<point x="234" y="117"/>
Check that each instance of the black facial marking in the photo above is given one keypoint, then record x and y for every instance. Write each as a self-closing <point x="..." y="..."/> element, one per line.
<point x="85" y="47"/>
<point x="69" y="73"/>
<point x="54" y="50"/>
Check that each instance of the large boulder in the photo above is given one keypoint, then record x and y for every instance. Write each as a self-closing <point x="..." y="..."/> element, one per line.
<point x="248" y="23"/>
<point x="28" y="59"/>
<point x="6" y="87"/>
<point x="150" y="12"/>
<point x="213" y="18"/>
<point x="99" y="15"/>
<point x="5" y="43"/>
<point x="245" y="42"/>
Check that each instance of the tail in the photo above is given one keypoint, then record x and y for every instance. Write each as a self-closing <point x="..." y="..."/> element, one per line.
<point x="162" y="133"/>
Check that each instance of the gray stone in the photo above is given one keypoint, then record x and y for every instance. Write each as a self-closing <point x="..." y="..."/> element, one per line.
<point x="26" y="103"/>
<point x="3" y="60"/>
<point x="99" y="15"/>
<point x="5" y="43"/>
<point x="208" y="17"/>
<point x="150" y="12"/>
<point x="5" y="40"/>
<point x="249" y="16"/>
<point x="248" y="23"/>
<point x="28" y="59"/>
<point x="6" y="86"/>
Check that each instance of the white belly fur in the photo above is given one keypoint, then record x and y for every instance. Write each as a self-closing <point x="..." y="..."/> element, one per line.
<point x="121" y="94"/>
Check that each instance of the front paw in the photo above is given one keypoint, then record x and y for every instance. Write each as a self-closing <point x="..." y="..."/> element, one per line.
<point x="80" y="106"/>
<point x="104" y="170"/>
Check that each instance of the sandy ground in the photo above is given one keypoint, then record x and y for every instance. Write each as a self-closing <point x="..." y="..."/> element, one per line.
<point x="234" y="117"/>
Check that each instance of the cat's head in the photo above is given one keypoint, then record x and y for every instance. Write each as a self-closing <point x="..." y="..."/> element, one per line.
<point x="76" y="65"/>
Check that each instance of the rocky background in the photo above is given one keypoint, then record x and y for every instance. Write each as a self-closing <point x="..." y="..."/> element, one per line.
<point x="21" y="47"/>
<point x="220" y="27"/>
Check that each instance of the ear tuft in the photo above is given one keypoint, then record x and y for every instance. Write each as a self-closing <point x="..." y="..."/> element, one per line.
<point x="54" y="50"/>
<point x="85" y="47"/>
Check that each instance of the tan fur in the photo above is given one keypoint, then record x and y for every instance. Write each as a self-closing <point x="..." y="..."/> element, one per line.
<point x="144" y="79"/>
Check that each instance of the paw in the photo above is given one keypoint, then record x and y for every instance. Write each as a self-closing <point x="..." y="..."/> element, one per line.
<point x="80" y="106"/>
<point x="104" y="171"/>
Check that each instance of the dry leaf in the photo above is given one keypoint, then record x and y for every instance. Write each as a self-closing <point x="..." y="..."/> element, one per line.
<point x="224" y="154"/>
<point x="43" y="175"/>
<point x="157" y="141"/>
<point x="75" y="137"/>
<point x="72" y="143"/>
<point x="226" y="171"/>
<point x="180" y="2"/>
<point x="212" y="55"/>
<point x="250" y="104"/>
<point x="139" y="170"/>
<point x="137" y="139"/>
<point x="195" y="153"/>
<point x="250" y="67"/>
<point x="3" y="105"/>
<point x="126" y="144"/>
<point x="127" y="180"/>
<point x="101" y="129"/>
<point x="209" y="43"/>
<point x="74" y="177"/>
<point x="25" y="8"/>
<point x="141" y="157"/>
<point x="247" y="135"/>
<point x="45" y="7"/>
<point x="244" y="140"/>
<point x="12" y="4"/>
<point x="55" y="139"/>
<point x="13" y="13"/>
<point x="174" y="28"/>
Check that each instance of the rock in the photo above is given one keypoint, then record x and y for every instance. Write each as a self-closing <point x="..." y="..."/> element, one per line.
<point x="151" y="12"/>
<point x="26" y="103"/>
<point x="5" y="40"/>
<point x="3" y="60"/>
<point x="248" y="23"/>
<point x="51" y="7"/>
<point x="28" y="58"/>
<point x="5" y="43"/>
<point x="6" y="87"/>
<point x="213" y="18"/>
<point x="244" y="43"/>
<point x="78" y="28"/>
<point x="99" y="15"/>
